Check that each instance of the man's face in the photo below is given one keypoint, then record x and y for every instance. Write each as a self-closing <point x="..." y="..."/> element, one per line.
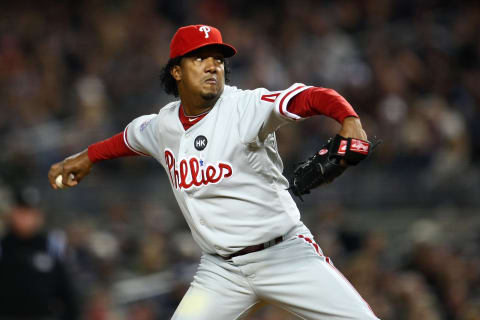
<point x="202" y="73"/>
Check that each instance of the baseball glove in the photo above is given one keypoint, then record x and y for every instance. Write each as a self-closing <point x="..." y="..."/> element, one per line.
<point x="324" y="166"/>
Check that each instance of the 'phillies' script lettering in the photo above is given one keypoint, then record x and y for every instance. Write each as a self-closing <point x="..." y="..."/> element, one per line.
<point x="192" y="172"/>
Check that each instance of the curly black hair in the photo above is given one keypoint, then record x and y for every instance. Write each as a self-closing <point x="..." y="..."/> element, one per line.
<point x="169" y="84"/>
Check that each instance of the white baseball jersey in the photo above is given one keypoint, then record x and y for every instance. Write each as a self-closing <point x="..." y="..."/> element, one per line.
<point x="225" y="170"/>
<point x="226" y="174"/>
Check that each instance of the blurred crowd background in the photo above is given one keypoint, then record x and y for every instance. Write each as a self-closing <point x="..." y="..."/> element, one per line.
<point x="404" y="227"/>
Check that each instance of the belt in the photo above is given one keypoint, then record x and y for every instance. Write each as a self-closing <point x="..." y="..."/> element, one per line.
<point x="255" y="248"/>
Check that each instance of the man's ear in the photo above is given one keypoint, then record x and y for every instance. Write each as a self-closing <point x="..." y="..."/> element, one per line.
<point x="176" y="72"/>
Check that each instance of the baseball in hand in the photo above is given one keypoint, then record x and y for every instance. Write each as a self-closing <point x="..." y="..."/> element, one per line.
<point x="59" y="181"/>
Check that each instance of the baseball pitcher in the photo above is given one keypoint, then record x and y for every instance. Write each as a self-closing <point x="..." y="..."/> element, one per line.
<point x="217" y="144"/>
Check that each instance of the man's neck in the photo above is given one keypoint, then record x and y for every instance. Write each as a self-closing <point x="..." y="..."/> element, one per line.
<point x="193" y="106"/>
<point x="195" y="109"/>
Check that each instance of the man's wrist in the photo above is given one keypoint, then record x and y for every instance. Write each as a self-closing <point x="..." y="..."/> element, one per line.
<point x="352" y="128"/>
<point x="89" y="156"/>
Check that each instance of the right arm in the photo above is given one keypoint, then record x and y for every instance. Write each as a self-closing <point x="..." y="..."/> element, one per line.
<point x="139" y="138"/>
<point x="76" y="167"/>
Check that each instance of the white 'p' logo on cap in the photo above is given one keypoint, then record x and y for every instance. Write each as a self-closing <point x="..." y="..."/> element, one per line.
<point x="205" y="29"/>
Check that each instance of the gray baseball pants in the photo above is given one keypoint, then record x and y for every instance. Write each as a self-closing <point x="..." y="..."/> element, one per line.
<point x="293" y="275"/>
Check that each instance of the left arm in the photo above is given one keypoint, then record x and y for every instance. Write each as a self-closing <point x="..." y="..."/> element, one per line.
<point x="323" y="101"/>
<point x="329" y="162"/>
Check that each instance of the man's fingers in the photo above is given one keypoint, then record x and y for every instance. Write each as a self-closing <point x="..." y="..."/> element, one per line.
<point x="61" y="182"/>
<point x="68" y="178"/>
<point x="69" y="172"/>
<point x="55" y="170"/>
<point x="364" y="135"/>
<point x="65" y="177"/>
<point x="71" y="180"/>
<point x="80" y="175"/>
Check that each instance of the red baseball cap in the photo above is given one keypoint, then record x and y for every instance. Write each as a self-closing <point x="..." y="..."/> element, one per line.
<point x="190" y="38"/>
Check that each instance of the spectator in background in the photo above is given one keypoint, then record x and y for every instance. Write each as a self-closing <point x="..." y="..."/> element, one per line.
<point x="33" y="277"/>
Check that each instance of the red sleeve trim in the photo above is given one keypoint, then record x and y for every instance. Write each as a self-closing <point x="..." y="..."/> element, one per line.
<point x="321" y="101"/>
<point x="281" y="102"/>
<point x="284" y="97"/>
<point x="110" y="148"/>
<point x="125" y="138"/>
